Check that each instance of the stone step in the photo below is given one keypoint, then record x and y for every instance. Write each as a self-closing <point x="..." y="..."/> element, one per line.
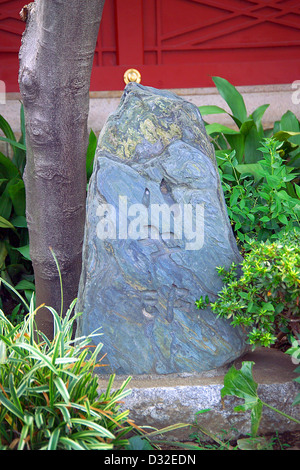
<point x="161" y="401"/>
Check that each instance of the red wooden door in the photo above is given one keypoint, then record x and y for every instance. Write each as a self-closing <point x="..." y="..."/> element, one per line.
<point x="180" y="43"/>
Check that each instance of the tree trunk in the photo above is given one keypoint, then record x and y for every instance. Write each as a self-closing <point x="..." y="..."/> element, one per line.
<point x="56" y="60"/>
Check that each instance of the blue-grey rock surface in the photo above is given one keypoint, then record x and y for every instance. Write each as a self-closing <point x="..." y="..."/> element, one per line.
<point x="156" y="229"/>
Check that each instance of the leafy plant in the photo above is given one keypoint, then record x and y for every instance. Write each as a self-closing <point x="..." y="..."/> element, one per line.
<point x="49" y="397"/>
<point x="294" y="351"/>
<point x="245" y="138"/>
<point x="265" y="298"/>
<point x="15" y="263"/>
<point x="90" y="154"/>
<point x="258" y="196"/>
<point x="240" y="383"/>
<point x="248" y="131"/>
<point x="287" y="131"/>
<point x="48" y="391"/>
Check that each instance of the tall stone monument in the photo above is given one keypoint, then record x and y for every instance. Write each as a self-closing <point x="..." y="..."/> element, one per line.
<point x="156" y="229"/>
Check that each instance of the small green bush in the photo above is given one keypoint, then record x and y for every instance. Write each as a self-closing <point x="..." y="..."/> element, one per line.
<point x="263" y="199"/>
<point x="265" y="298"/>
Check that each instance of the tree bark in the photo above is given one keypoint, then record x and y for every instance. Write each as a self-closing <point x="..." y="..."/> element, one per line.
<point x="56" y="58"/>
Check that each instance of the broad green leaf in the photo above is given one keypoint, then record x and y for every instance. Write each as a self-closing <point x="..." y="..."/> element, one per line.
<point x="283" y="195"/>
<point x="273" y="181"/>
<point x="259" y="112"/>
<point x="5" y="206"/>
<point x="19" y="221"/>
<point x="7" y="168"/>
<point x="247" y="126"/>
<point x="232" y="97"/>
<point x="289" y="122"/>
<point x="237" y="143"/>
<point x="264" y="219"/>
<point x="219" y="128"/>
<point x="90" y="154"/>
<point x="252" y="140"/>
<point x="204" y="110"/>
<point x="138" y="443"/>
<point x="284" y="135"/>
<point x="25" y="285"/>
<point x="5" y="223"/>
<point x="256" y="413"/>
<point x="228" y="177"/>
<point x="19" y="148"/>
<point x="25" y="251"/>
<point x="5" y="127"/>
<point x="297" y="188"/>
<point x="240" y="383"/>
<point x="8" y="132"/>
<point x="257" y="117"/>
<point x="254" y="169"/>
<point x="17" y="194"/>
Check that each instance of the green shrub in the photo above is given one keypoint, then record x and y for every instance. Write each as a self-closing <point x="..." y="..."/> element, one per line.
<point x="248" y="131"/>
<point x="263" y="199"/>
<point x="15" y="263"/>
<point x="265" y="298"/>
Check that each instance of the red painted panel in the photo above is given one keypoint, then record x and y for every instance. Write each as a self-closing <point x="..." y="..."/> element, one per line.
<point x="185" y="42"/>
<point x="180" y="43"/>
<point x="11" y="29"/>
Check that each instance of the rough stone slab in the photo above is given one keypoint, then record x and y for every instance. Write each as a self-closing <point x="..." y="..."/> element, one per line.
<point x="162" y="401"/>
<point x="156" y="229"/>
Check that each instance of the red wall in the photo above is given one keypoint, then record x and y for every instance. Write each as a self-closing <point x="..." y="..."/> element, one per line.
<point x="180" y="43"/>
